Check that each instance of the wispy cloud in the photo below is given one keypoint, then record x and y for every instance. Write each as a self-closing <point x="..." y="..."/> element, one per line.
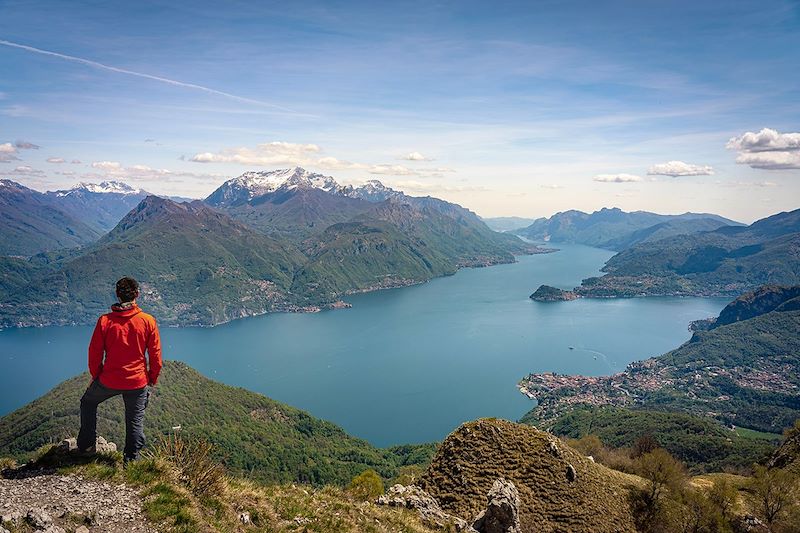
<point x="617" y="178"/>
<point x="56" y="160"/>
<point x="25" y="145"/>
<point x="415" y="156"/>
<point x="278" y="153"/>
<point x="679" y="168"/>
<point x="110" y="68"/>
<point x="114" y="170"/>
<point x="25" y="170"/>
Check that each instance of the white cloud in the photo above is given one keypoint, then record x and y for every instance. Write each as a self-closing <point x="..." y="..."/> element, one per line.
<point x="108" y="166"/>
<point x="551" y="186"/>
<point x="266" y="154"/>
<point x="279" y="153"/>
<point x="392" y="170"/>
<point x="75" y="162"/>
<point x="766" y="140"/>
<point x="679" y="168"/>
<point x="25" y="170"/>
<point x="434" y="188"/>
<point x="25" y="145"/>
<point x="770" y="160"/>
<point x="114" y="170"/>
<point x="767" y="150"/>
<point x="617" y="178"/>
<point x="415" y="156"/>
<point x="56" y="160"/>
<point x="8" y="152"/>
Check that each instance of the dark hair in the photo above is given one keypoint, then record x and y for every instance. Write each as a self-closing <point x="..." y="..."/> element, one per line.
<point x="127" y="289"/>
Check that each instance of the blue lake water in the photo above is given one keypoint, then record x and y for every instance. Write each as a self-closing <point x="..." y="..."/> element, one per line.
<point x="403" y="365"/>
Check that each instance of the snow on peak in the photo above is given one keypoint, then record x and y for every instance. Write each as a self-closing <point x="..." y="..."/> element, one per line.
<point x="104" y="187"/>
<point x="258" y="183"/>
<point x="373" y="191"/>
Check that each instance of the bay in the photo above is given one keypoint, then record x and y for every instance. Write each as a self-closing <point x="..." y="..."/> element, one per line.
<point x="403" y="365"/>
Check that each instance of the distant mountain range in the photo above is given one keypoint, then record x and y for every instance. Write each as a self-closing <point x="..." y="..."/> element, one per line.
<point x="724" y="262"/>
<point x="100" y="205"/>
<point x="30" y="222"/>
<point x="281" y="241"/>
<point x="615" y="229"/>
<point x="508" y="223"/>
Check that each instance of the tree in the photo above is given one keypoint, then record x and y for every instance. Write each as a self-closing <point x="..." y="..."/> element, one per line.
<point x="775" y="492"/>
<point x="665" y="475"/>
<point x="368" y="485"/>
<point x="643" y="445"/>
<point x="724" y="497"/>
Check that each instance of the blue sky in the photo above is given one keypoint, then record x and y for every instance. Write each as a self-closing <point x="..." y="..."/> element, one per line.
<point x="509" y="108"/>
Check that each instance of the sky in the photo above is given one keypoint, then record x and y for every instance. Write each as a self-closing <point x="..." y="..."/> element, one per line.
<point x="508" y="108"/>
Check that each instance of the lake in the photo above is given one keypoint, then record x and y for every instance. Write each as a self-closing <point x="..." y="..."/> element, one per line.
<point x="403" y="365"/>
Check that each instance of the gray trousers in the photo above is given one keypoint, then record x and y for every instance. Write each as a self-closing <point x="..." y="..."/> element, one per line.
<point x="135" y="404"/>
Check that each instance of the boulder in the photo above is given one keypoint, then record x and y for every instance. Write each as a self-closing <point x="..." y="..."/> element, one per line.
<point x="572" y="475"/>
<point x="413" y="497"/>
<point x="102" y="446"/>
<point x="38" y="518"/>
<point x="502" y="511"/>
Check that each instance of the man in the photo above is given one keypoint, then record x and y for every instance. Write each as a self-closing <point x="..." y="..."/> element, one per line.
<point x="118" y="366"/>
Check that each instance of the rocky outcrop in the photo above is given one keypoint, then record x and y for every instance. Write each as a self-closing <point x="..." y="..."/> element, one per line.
<point x="559" y="489"/>
<point x="502" y="511"/>
<point x="413" y="497"/>
<point x="101" y="446"/>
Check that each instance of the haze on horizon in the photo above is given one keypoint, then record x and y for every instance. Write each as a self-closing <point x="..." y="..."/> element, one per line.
<point x="508" y="108"/>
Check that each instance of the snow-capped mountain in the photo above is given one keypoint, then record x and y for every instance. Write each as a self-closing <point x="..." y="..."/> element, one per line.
<point x="373" y="191"/>
<point x="100" y="205"/>
<point x="33" y="222"/>
<point x="239" y="191"/>
<point x="104" y="187"/>
<point x="251" y="185"/>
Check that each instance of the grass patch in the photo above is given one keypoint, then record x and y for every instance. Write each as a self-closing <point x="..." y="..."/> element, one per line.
<point x="163" y="503"/>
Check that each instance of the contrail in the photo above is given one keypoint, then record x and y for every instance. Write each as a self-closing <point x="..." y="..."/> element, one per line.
<point x="95" y="64"/>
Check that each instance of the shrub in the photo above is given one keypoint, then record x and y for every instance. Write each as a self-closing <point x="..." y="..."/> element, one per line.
<point x="192" y="458"/>
<point x="368" y="485"/>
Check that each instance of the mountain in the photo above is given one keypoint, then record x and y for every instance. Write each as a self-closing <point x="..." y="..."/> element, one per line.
<point x="299" y="204"/>
<point x="199" y="266"/>
<point x="252" y="434"/>
<point x="30" y="222"/>
<point x="743" y="372"/>
<point x="196" y="266"/>
<point x="99" y="205"/>
<point x="508" y="223"/>
<point x="616" y="229"/>
<point x="725" y="262"/>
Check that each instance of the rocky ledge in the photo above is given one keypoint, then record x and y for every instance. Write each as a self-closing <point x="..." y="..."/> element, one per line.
<point x="35" y="498"/>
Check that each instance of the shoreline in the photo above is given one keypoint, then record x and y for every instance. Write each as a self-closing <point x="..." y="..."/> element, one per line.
<point x="338" y="303"/>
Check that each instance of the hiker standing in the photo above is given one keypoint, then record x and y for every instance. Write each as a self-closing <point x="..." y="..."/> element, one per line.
<point x="118" y="366"/>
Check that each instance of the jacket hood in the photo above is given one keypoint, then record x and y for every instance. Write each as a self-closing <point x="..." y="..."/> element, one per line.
<point x="125" y="310"/>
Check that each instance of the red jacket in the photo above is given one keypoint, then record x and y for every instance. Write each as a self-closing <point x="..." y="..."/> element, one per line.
<point x="122" y="336"/>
